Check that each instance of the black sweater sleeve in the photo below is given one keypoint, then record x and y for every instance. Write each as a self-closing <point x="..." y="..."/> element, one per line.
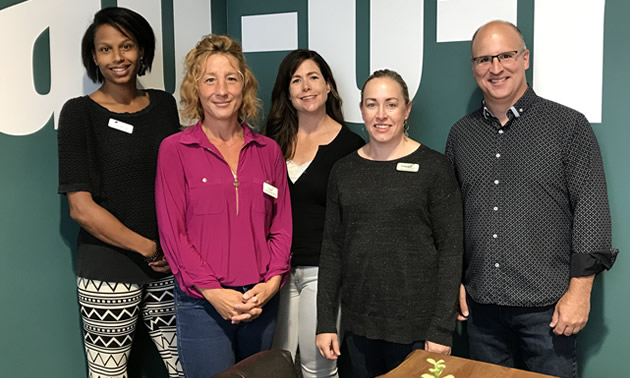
<point x="329" y="279"/>
<point x="445" y="207"/>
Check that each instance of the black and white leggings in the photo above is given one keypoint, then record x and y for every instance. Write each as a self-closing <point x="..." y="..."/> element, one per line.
<point x="109" y="311"/>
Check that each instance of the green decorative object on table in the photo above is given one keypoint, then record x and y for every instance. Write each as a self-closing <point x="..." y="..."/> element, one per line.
<point x="438" y="368"/>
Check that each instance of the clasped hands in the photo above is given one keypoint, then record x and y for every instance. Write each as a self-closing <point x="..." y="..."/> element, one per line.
<point x="245" y="307"/>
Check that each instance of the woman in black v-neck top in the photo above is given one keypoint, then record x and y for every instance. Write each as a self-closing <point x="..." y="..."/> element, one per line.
<point x="307" y="122"/>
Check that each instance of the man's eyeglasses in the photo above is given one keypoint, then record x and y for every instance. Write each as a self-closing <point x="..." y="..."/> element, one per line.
<point x="504" y="57"/>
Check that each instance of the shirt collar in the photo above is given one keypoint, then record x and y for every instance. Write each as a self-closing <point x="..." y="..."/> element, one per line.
<point x="194" y="135"/>
<point x="519" y="108"/>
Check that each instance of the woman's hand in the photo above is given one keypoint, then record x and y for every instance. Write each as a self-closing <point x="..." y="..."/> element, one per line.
<point x="437" y="348"/>
<point x="328" y="345"/>
<point x="253" y="300"/>
<point x="223" y="300"/>
<point x="262" y="292"/>
<point x="160" y="266"/>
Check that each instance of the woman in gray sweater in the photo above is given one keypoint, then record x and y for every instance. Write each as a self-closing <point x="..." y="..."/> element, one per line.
<point x="393" y="241"/>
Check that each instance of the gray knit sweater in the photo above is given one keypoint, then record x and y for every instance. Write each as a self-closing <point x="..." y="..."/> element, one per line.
<point x="392" y="249"/>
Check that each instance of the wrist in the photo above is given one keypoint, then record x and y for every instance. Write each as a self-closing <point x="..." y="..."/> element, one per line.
<point x="156" y="255"/>
<point x="274" y="282"/>
<point x="209" y="294"/>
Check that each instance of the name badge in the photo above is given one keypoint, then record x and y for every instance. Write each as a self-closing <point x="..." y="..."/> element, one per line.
<point x="270" y="190"/>
<point x="120" y="126"/>
<point x="407" y="167"/>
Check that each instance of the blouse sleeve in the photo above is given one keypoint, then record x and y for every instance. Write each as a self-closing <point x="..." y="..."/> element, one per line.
<point x="170" y="201"/>
<point x="72" y="144"/>
<point x="280" y="232"/>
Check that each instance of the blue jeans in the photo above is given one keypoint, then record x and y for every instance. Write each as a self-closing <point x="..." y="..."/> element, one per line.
<point x="510" y="336"/>
<point x="209" y="344"/>
<point x="370" y="358"/>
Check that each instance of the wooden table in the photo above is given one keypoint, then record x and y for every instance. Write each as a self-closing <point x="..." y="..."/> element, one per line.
<point x="416" y="364"/>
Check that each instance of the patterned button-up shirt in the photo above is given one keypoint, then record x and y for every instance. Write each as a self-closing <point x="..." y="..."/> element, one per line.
<point x="535" y="202"/>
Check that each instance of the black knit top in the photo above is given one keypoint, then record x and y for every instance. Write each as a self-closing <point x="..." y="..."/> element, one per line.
<point x="392" y="248"/>
<point x="113" y="156"/>
<point x="308" y="198"/>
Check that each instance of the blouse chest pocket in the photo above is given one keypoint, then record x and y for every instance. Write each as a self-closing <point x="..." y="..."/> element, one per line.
<point x="207" y="198"/>
<point x="263" y="195"/>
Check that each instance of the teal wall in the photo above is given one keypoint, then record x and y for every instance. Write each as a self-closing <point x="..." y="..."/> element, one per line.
<point x="39" y="320"/>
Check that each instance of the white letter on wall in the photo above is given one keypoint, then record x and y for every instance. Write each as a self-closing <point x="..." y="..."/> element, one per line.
<point x="569" y="53"/>
<point x="457" y="20"/>
<point x="396" y="42"/>
<point x="22" y="110"/>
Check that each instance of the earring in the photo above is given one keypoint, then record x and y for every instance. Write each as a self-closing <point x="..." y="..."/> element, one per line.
<point x="406" y="127"/>
<point x="142" y="66"/>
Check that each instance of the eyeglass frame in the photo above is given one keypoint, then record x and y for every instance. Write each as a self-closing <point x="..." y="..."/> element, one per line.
<point x="516" y="52"/>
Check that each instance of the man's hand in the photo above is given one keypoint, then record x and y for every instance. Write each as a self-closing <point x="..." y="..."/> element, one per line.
<point x="462" y="313"/>
<point x="328" y="345"/>
<point x="571" y="312"/>
<point x="437" y="348"/>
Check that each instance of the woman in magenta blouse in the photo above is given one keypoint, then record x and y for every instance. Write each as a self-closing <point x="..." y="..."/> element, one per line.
<point x="224" y="214"/>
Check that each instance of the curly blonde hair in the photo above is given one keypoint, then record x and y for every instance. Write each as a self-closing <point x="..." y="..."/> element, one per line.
<point x="211" y="44"/>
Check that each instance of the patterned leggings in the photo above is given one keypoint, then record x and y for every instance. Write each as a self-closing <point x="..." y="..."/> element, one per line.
<point x="109" y="311"/>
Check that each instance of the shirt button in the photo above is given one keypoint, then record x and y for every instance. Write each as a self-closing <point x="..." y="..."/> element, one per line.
<point x="495" y="208"/>
<point x="496" y="182"/>
<point x="500" y="131"/>
<point x="204" y="179"/>
<point x="498" y="155"/>
<point x="496" y="265"/>
<point x="495" y="236"/>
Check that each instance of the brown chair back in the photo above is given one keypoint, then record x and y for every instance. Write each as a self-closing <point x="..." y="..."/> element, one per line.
<point x="265" y="364"/>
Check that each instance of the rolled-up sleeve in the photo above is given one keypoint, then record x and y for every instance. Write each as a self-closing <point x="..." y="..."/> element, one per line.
<point x="187" y="265"/>
<point x="591" y="250"/>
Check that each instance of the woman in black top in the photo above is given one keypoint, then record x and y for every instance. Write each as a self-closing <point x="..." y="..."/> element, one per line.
<point x="307" y="122"/>
<point x="393" y="241"/>
<point x="108" y="143"/>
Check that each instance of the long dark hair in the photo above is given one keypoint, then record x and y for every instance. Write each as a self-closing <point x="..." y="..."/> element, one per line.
<point x="282" y="121"/>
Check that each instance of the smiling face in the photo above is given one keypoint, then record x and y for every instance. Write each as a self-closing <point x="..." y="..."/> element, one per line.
<point x="220" y="88"/>
<point x="308" y="88"/>
<point x="501" y="82"/>
<point x="117" y="55"/>
<point x="384" y="110"/>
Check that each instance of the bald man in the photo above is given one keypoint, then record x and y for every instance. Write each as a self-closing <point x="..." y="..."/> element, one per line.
<point x="537" y="221"/>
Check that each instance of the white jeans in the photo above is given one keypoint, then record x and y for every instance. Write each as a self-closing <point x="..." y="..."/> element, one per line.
<point x="297" y="321"/>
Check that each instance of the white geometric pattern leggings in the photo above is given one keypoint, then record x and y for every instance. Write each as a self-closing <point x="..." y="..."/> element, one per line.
<point x="109" y="311"/>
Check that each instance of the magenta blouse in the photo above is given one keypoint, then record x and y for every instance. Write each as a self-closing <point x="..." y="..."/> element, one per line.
<point x="218" y="229"/>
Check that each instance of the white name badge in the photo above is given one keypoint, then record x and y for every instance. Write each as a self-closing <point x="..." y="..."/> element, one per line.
<point x="120" y="126"/>
<point x="407" y="167"/>
<point x="270" y="190"/>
